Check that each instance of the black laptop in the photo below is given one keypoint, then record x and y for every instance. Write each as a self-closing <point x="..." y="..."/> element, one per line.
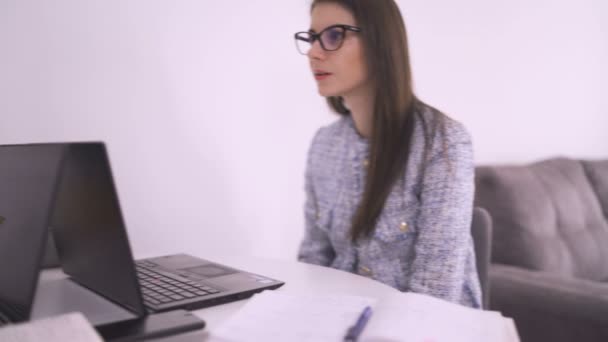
<point x="94" y="250"/>
<point x="27" y="187"/>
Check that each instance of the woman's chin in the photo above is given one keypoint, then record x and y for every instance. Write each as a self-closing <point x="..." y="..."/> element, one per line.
<point x="325" y="92"/>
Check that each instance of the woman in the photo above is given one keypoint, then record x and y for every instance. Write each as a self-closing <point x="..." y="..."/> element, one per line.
<point x="389" y="185"/>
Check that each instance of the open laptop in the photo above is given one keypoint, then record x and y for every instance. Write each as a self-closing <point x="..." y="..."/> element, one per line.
<point x="27" y="188"/>
<point x="94" y="250"/>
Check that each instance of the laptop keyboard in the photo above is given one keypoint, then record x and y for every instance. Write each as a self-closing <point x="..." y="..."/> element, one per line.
<point x="159" y="289"/>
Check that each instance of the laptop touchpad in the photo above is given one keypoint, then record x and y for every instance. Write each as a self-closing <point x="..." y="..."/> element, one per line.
<point x="208" y="271"/>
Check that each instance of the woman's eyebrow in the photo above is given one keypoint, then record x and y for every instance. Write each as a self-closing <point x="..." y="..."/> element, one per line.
<point x="323" y="29"/>
<point x="311" y="30"/>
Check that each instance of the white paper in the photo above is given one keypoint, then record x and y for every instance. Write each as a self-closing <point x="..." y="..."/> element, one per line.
<point x="274" y="316"/>
<point x="419" y="318"/>
<point x="68" y="327"/>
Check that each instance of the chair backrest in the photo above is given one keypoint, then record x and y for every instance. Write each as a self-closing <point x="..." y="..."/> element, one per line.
<point x="481" y="229"/>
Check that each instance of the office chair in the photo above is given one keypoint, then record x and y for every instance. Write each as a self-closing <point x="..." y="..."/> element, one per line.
<point x="481" y="229"/>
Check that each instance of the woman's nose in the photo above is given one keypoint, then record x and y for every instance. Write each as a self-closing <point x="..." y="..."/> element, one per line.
<point x="316" y="51"/>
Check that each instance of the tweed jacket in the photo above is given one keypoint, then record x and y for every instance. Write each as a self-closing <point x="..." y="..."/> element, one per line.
<point x="422" y="239"/>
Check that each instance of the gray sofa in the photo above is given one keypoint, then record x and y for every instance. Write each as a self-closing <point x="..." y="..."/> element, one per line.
<point x="549" y="266"/>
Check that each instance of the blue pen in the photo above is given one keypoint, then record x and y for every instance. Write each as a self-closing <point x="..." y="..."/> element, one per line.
<point x="354" y="332"/>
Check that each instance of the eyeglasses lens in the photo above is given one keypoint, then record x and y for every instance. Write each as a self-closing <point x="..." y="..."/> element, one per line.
<point x="303" y="40"/>
<point x="332" y="38"/>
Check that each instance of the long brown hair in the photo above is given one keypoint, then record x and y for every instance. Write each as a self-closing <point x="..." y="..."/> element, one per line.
<point x="387" y="57"/>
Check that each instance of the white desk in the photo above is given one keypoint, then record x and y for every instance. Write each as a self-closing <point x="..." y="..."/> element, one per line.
<point x="299" y="278"/>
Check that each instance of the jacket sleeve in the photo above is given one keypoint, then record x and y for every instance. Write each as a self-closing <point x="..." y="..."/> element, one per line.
<point x="316" y="247"/>
<point x="444" y="221"/>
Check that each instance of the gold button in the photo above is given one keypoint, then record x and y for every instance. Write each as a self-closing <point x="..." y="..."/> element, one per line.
<point x="403" y="227"/>
<point x="366" y="163"/>
<point x="365" y="270"/>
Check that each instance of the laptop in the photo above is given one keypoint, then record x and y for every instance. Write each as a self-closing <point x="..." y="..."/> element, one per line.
<point x="93" y="246"/>
<point x="27" y="183"/>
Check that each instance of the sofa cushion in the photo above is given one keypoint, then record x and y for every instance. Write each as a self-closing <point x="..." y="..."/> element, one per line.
<point x="546" y="217"/>
<point x="597" y="171"/>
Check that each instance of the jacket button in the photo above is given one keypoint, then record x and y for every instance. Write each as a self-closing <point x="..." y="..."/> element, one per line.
<point x="403" y="227"/>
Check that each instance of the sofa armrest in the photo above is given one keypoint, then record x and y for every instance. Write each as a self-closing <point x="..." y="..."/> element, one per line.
<point x="549" y="307"/>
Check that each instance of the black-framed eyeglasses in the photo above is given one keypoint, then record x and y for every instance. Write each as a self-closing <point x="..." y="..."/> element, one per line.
<point x="331" y="38"/>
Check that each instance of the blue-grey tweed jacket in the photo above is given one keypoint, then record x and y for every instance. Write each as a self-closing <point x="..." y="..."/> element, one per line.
<point x="422" y="240"/>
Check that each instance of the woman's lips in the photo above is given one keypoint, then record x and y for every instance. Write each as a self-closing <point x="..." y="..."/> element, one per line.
<point x="321" y="75"/>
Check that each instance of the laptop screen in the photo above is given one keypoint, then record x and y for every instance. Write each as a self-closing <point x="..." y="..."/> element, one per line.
<point x="28" y="175"/>
<point x="89" y="230"/>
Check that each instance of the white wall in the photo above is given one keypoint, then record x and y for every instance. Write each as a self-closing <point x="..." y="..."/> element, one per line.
<point x="208" y="109"/>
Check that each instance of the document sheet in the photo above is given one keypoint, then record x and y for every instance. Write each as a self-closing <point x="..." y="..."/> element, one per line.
<point x="420" y="318"/>
<point x="275" y="316"/>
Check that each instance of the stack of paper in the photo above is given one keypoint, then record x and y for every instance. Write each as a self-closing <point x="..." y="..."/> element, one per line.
<point x="274" y="316"/>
